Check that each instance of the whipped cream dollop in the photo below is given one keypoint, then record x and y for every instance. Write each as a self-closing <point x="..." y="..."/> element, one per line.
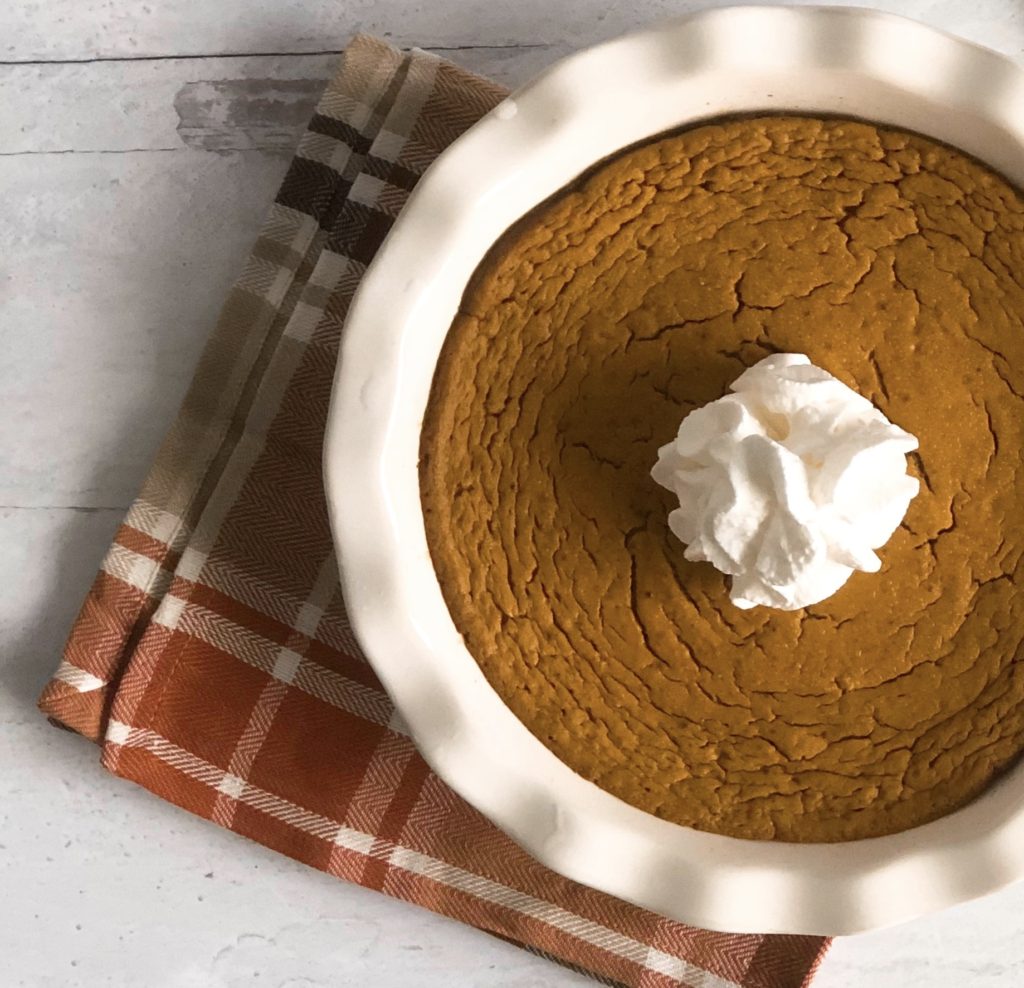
<point x="787" y="485"/>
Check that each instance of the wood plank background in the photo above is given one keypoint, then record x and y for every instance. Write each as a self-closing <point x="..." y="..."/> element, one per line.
<point x="140" y="144"/>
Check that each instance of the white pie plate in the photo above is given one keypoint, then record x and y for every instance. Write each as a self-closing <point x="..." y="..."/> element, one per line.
<point x="810" y="59"/>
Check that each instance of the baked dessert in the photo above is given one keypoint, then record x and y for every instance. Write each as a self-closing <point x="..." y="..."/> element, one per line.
<point x="639" y="294"/>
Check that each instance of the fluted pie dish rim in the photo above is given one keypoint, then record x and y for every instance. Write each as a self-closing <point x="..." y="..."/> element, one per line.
<point x="820" y="60"/>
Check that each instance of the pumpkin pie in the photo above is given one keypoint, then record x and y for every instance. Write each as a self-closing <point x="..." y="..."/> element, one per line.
<point x="633" y="297"/>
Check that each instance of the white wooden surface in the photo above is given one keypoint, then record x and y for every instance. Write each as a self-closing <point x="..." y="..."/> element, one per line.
<point x="140" y="143"/>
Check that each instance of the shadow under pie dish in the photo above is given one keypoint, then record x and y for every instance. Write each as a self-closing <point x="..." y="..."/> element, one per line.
<point x="780" y="735"/>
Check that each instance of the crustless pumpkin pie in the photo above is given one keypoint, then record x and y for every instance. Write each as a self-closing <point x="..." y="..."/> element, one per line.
<point x="639" y="294"/>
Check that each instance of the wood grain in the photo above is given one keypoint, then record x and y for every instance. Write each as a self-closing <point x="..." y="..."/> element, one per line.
<point x="206" y="104"/>
<point x="87" y="29"/>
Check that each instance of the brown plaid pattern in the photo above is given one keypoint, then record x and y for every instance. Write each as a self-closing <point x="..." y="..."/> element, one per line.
<point x="213" y="659"/>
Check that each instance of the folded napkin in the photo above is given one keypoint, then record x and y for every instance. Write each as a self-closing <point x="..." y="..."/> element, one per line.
<point x="213" y="660"/>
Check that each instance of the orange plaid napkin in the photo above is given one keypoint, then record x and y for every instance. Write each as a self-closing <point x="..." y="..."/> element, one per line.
<point x="213" y="660"/>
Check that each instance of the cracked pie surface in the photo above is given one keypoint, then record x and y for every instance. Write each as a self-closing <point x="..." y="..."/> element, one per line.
<point x="639" y="294"/>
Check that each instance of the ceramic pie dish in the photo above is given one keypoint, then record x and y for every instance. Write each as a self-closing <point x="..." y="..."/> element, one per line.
<point x="819" y="60"/>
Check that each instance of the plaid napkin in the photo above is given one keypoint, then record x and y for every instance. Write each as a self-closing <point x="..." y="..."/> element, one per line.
<point x="213" y="660"/>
